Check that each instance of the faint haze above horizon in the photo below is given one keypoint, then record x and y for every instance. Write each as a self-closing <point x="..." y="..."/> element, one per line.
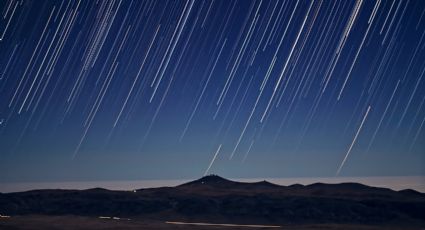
<point x="120" y="90"/>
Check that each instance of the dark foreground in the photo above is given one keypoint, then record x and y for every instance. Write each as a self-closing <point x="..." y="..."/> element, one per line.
<point x="80" y="223"/>
<point x="215" y="200"/>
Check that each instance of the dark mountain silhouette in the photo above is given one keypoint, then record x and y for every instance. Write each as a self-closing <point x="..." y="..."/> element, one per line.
<point x="211" y="181"/>
<point x="213" y="198"/>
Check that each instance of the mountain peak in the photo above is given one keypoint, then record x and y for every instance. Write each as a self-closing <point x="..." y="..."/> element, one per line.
<point x="211" y="179"/>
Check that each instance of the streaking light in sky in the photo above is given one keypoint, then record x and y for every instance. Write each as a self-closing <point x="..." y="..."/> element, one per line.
<point x="129" y="89"/>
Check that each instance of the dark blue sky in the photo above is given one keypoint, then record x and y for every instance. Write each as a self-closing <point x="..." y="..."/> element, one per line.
<point x="121" y="90"/>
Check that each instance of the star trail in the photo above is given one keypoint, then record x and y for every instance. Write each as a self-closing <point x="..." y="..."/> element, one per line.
<point x="172" y="89"/>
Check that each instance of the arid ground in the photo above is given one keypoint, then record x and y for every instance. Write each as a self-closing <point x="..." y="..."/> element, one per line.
<point x="80" y="223"/>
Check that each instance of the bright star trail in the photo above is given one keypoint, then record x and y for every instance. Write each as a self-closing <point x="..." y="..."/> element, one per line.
<point x="125" y="89"/>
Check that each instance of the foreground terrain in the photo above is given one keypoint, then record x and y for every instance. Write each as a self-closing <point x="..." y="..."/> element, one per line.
<point x="215" y="200"/>
<point x="80" y="223"/>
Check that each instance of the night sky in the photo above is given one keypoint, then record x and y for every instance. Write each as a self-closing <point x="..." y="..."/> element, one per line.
<point x="124" y="90"/>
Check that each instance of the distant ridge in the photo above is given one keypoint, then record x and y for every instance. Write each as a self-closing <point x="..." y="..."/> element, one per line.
<point x="211" y="179"/>
<point x="214" y="197"/>
<point x="215" y="181"/>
